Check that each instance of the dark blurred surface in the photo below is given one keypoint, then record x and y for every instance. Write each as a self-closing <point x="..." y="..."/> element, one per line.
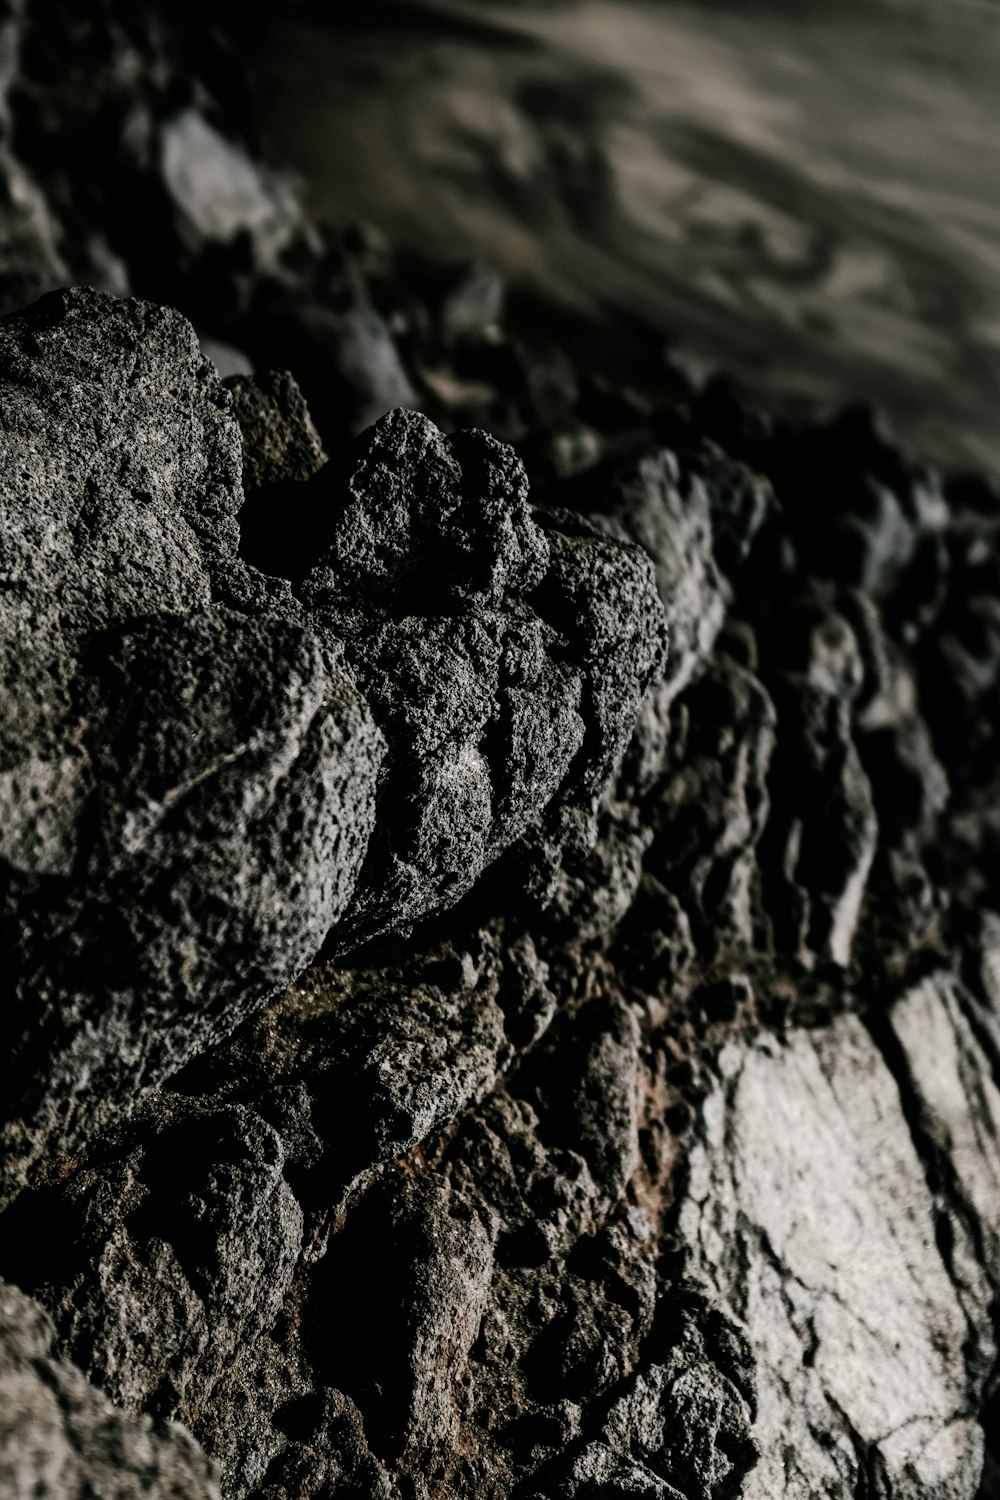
<point x="807" y="194"/>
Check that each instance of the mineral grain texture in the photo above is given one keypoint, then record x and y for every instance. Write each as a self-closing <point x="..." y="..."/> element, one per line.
<point x="205" y="776"/>
<point x="61" y="1439"/>
<point x="452" y="1046"/>
<point x="187" y="790"/>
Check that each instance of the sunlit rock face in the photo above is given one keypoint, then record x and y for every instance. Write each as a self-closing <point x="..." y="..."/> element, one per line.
<point x="810" y="1214"/>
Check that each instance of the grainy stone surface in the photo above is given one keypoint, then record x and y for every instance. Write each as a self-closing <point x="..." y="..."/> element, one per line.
<point x="185" y="788"/>
<point x="809" y="1213"/>
<point x="505" y="655"/>
<point x="453" y="1045"/>
<point x="61" y="1439"/>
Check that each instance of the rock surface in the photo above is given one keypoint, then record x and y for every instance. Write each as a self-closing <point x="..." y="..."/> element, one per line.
<point x="194" y="793"/>
<point x="61" y="1439"/>
<point x="187" y="791"/>
<point x="507" y="691"/>
<point x="867" y="1316"/>
<point x="452" y="1046"/>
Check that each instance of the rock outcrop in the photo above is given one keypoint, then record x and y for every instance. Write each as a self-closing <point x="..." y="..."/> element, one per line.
<point x="207" y="777"/>
<point x="498" y="927"/>
<point x="61" y="1439"/>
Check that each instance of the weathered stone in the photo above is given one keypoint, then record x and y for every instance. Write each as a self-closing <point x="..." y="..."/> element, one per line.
<point x="860" y="1330"/>
<point x="61" y="1439"/>
<point x="504" y="660"/>
<point x="280" y="443"/>
<point x="201" y="819"/>
<point x="122" y="463"/>
<point x="635" y="970"/>
<point x="186" y="791"/>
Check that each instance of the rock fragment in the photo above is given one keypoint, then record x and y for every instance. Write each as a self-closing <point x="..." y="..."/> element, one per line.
<point x="123" y="463"/>
<point x="646" y="498"/>
<point x="280" y="442"/>
<point x="848" y="1270"/>
<point x="504" y="655"/>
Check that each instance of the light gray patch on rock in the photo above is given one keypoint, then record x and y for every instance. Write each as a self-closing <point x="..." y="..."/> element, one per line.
<point x="218" y="191"/>
<point x="951" y="1086"/>
<point x="61" y="1438"/>
<point x="808" y="1214"/>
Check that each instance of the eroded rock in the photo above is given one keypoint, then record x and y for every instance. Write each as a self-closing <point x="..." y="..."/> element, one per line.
<point x="504" y="653"/>
<point x="809" y="1213"/>
<point x="60" y="1437"/>
<point x="637" y="1133"/>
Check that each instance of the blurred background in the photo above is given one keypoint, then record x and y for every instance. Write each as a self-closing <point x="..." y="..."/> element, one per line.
<point x="802" y="192"/>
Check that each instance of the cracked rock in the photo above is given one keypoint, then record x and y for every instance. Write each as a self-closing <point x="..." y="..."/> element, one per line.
<point x="855" y="1321"/>
<point x="506" y="681"/>
<point x="450" y="1046"/>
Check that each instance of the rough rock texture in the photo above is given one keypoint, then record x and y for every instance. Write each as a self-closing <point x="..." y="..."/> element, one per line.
<point x="188" y="793"/>
<point x="865" y="1305"/>
<point x="507" y="691"/>
<point x="450" y="1046"/>
<point x="190" y="788"/>
<point x="60" y="1439"/>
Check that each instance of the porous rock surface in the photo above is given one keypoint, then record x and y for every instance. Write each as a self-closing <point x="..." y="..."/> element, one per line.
<point x="141" y="708"/>
<point x="450" y="1046"/>
<point x="192" y="753"/>
<point x="61" y="1439"/>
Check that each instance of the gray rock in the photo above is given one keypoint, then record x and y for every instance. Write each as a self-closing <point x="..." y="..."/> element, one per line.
<point x="740" y="501"/>
<point x="410" y="1383"/>
<point x="600" y="1473"/>
<point x="280" y="443"/>
<point x="200" y="824"/>
<point x="217" y="191"/>
<point x="191" y="792"/>
<point x="194" y="1274"/>
<point x="808" y="1212"/>
<point x="690" y="1417"/>
<point x="123" y="465"/>
<point x="823" y="829"/>
<point x="649" y="501"/>
<point x="345" y="359"/>
<point x="30" y="258"/>
<point x="60" y="1437"/>
<point x="227" y="358"/>
<point x="188" y="793"/>
<point x="460" y="615"/>
<point x="425" y="1223"/>
<point x="596" y="1113"/>
<point x="938" y="1041"/>
<point x="472" y="306"/>
<point x="386" y="1055"/>
<point x="713" y="804"/>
